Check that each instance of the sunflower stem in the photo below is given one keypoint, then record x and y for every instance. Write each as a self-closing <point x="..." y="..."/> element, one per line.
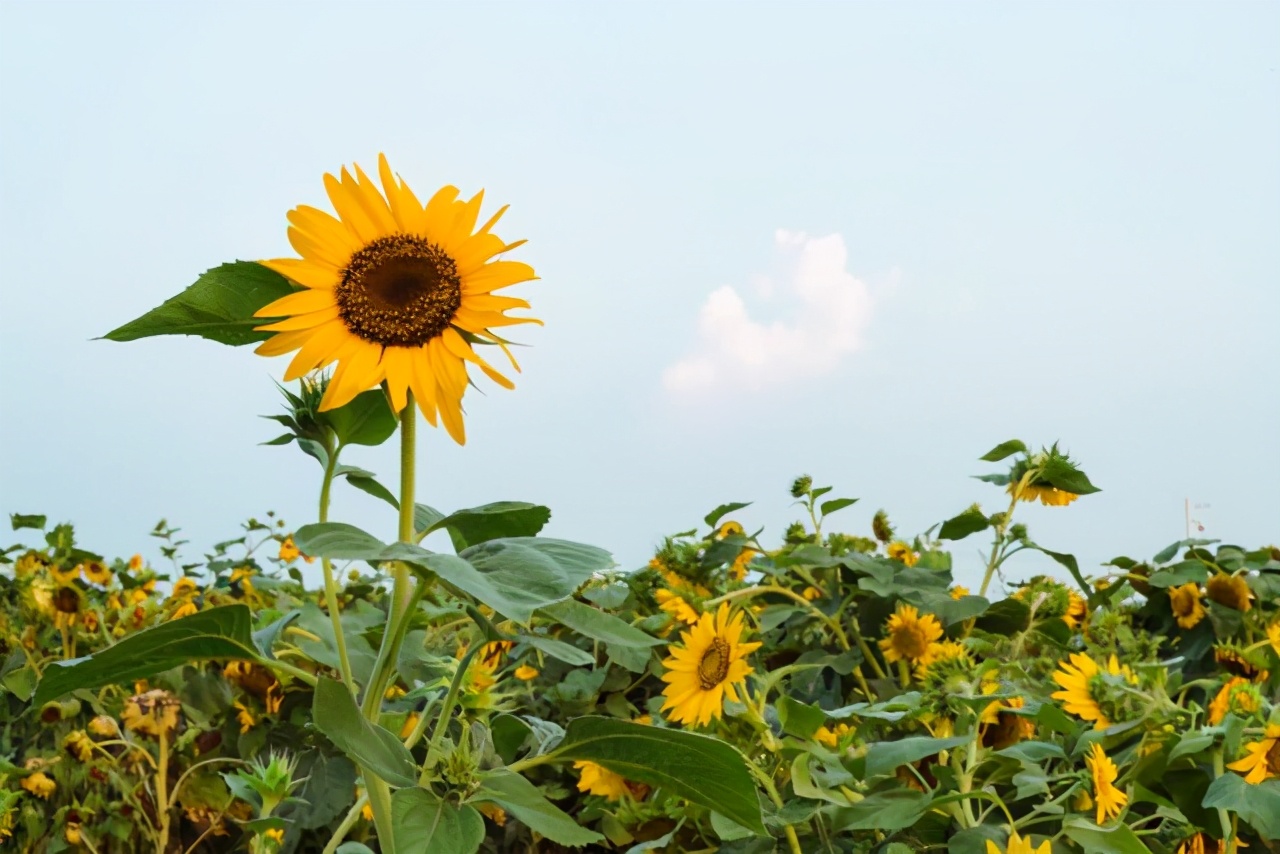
<point x="330" y="583"/>
<point x="446" y="711"/>
<point x="408" y="448"/>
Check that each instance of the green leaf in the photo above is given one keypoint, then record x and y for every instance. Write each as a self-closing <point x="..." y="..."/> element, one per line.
<point x="337" y="540"/>
<point x="969" y="522"/>
<point x="366" y="482"/>
<point x="598" y="625"/>
<point x="799" y="719"/>
<point x="1006" y="617"/>
<point x="567" y="653"/>
<point x="219" y="306"/>
<point x="1033" y="752"/>
<point x="366" y="420"/>
<point x="491" y="521"/>
<point x="1069" y="561"/>
<point x="891" y="810"/>
<point x="723" y="510"/>
<point x="696" y="767"/>
<point x="1179" y="573"/>
<point x="829" y="507"/>
<point x="884" y="757"/>
<point x="1189" y="745"/>
<point x="1166" y="554"/>
<point x="424" y="517"/>
<point x="24" y="520"/>
<point x="526" y="802"/>
<point x="1115" y="839"/>
<point x="509" y="734"/>
<point x="369" y="745"/>
<point x="1258" y="804"/>
<point x="421" y="821"/>
<point x="325" y="794"/>
<point x="218" y="633"/>
<point x="1004" y="449"/>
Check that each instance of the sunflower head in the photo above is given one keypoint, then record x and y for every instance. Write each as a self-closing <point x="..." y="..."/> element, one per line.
<point x="1238" y="696"/>
<point x="1019" y="845"/>
<point x="1229" y="590"/>
<point x="597" y="780"/>
<point x="154" y="713"/>
<point x="96" y="572"/>
<point x="706" y="667"/>
<point x="395" y="291"/>
<point x="1109" y="800"/>
<point x="1262" y="759"/>
<point x="911" y="637"/>
<point x="1092" y="692"/>
<point x="1239" y="661"/>
<point x="902" y="552"/>
<point x="1184" y="602"/>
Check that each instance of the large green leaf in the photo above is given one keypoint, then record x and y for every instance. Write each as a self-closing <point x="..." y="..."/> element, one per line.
<point x="369" y="745"/>
<point x="885" y="756"/>
<point x="598" y="625"/>
<point x="891" y="810"/>
<point x="219" y="306"/>
<point x="699" y="768"/>
<point x="218" y="633"/>
<point x="366" y="420"/>
<point x="969" y="522"/>
<point x="1258" y="804"/>
<point x="526" y="802"/>
<point x="422" y="822"/>
<point x="1004" y="449"/>
<point x="724" y="510"/>
<point x="1114" y="839"/>
<point x="501" y="519"/>
<point x="338" y="541"/>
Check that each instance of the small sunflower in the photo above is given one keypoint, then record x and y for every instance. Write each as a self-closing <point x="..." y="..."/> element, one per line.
<point x="78" y="744"/>
<point x="1077" y="610"/>
<point x="831" y="736"/>
<point x="135" y="563"/>
<point x="881" y="527"/>
<point x="1273" y="636"/>
<point x="811" y="594"/>
<point x="729" y="529"/>
<point x="1109" y="799"/>
<point x="1263" y="761"/>
<point x="1048" y="495"/>
<point x="525" y="673"/>
<point x="900" y="551"/>
<point x="395" y="291"/>
<point x="910" y="637"/>
<point x="1077" y="691"/>
<point x="64" y="576"/>
<point x="1238" y="662"/>
<point x="39" y="784"/>
<point x="184" y="587"/>
<point x="598" y="780"/>
<point x="1019" y="845"/>
<point x="676" y="606"/>
<point x="959" y="591"/>
<point x="1184" y="601"/>
<point x="1229" y="590"/>
<point x="96" y="572"/>
<point x="1237" y="696"/>
<point x="288" y="551"/>
<point x="709" y="666"/>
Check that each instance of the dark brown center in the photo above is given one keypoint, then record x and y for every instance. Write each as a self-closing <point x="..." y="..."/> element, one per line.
<point x="399" y="291"/>
<point x="714" y="666"/>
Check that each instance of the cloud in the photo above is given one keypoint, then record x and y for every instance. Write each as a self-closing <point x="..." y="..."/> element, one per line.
<point x="825" y="308"/>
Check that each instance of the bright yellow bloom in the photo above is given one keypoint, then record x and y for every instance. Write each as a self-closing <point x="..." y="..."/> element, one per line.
<point x="525" y="673"/>
<point x="910" y="637"/>
<point x="1185" y="604"/>
<point x="1049" y="495"/>
<point x="78" y="744"/>
<point x="675" y="605"/>
<point x="1019" y="845"/>
<point x="183" y="588"/>
<point x="288" y="551"/>
<point x="1110" y="800"/>
<point x="1077" y="610"/>
<point x="186" y="609"/>
<point x="1077" y="694"/>
<point x="831" y="736"/>
<point x="900" y="551"/>
<point x="39" y="784"/>
<point x="1273" y="636"/>
<point x="811" y="593"/>
<point x="1229" y="590"/>
<point x="96" y="572"/>
<point x="738" y="570"/>
<point x="1263" y="761"/>
<point x="395" y="291"/>
<point x="598" y="780"/>
<point x="410" y="724"/>
<point x="275" y="834"/>
<point x="728" y="529"/>
<point x="959" y="591"/>
<point x="494" y="813"/>
<point x="709" y="666"/>
<point x="72" y="833"/>
<point x="135" y="563"/>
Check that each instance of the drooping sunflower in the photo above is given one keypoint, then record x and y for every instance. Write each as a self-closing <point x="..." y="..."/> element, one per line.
<point x="900" y="551"/>
<point x="910" y="637"/>
<point x="1077" y="695"/>
<point x="1238" y="661"/>
<point x="598" y="780"/>
<point x="1263" y="761"/>
<point x="1229" y="590"/>
<point x="1184" y="601"/>
<point x="1109" y="799"/>
<point x="1077" y="610"/>
<point x="39" y="784"/>
<point x="394" y="290"/>
<point x="1048" y="494"/>
<point x="1019" y="845"/>
<point x="153" y="713"/>
<point x="96" y="572"/>
<point x="708" y="666"/>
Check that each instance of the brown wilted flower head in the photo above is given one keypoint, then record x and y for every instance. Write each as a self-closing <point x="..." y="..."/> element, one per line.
<point x="153" y="713"/>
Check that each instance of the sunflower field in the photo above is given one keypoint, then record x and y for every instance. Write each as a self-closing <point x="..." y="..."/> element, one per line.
<point x="817" y="689"/>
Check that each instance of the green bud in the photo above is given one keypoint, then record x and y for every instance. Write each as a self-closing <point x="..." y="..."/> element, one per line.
<point x="880" y="526"/>
<point x="801" y="486"/>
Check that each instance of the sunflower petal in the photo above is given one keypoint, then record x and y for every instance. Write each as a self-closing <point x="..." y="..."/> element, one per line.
<point x="302" y="321"/>
<point x="299" y="302"/>
<point x="309" y="274"/>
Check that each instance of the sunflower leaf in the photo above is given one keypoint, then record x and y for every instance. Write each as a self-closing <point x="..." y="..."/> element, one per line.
<point x="219" y="306"/>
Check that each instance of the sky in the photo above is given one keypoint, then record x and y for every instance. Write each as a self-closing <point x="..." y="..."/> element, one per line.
<point x="866" y="242"/>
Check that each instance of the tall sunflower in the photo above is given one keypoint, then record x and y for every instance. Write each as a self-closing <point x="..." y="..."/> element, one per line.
<point x="710" y="666"/>
<point x="1110" y="800"/>
<point x="911" y="637"/>
<point x="1076" y="678"/>
<point x="394" y="290"/>
<point x="1263" y="761"/>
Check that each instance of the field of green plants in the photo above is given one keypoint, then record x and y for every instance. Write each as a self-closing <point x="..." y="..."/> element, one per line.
<point x="817" y="689"/>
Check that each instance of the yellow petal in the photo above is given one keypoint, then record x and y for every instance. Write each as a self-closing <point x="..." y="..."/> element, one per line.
<point x="349" y="209"/>
<point x="278" y="345"/>
<point x="358" y="371"/>
<point x="405" y="206"/>
<point x="311" y="274"/>
<point x="302" y="321"/>
<point x="324" y="228"/>
<point x="438" y="213"/>
<point x="313" y="249"/>
<point x="299" y="302"/>
<point x="374" y="204"/>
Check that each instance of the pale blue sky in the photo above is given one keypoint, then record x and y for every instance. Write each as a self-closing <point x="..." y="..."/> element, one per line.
<point x="1060" y="222"/>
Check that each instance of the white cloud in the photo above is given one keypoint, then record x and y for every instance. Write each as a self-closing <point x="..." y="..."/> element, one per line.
<point x="825" y="313"/>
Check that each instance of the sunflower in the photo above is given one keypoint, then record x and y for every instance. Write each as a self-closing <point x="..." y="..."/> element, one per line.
<point x="525" y="673"/>
<point x="1273" y="636"/>
<point x="831" y="736"/>
<point x="598" y="780"/>
<point x="395" y="291"/>
<point x="153" y="712"/>
<point x="676" y="606"/>
<point x="1263" y="761"/>
<point x="96" y="572"/>
<point x="245" y="717"/>
<point x="1048" y="494"/>
<point x="288" y="551"/>
<point x="1203" y="844"/>
<point x="64" y="577"/>
<point x="1019" y="845"/>
<point x="1229" y="590"/>
<point x="1110" y="800"/>
<point x="1077" y="610"/>
<point x="911" y="637"/>
<point x="900" y="551"/>
<point x="135" y="563"/>
<point x="183" y="588"/>
<point x="959" y="591"/>
<point x="39" y="784"/>
<point x="729" y="529"/>
<point x="1184" y="601"/>
<point x="1077" y="691"/>
<point x="104" y="727"/>
<point x="1237" y="661"/>
<point x="709" y="666"/>
<point x="738" y="570"/>
<point x="78" y="744"/>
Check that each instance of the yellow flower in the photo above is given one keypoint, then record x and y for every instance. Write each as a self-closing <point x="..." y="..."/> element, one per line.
<point x="494" y="652"/>
<point x="910" y="637"/>
<point x="29" y="564"/>
<point x="831" y="736"/>
<point x="709" y="666"/>
<point x="1077" y="610"/>
<point x="1202" y="844"/>
<point x="525" y="673"/>
<point x="1019" y="845"/>
<point x="1273" y="636"/>
<point x="1110" y="800"/>
<point x="245" y="717"/>
<point x="96" y="572"/>
<point x="494" y="813"/>
<point x="811" y="593"/>
<point x="410" y="724"/>
<point x="183" y="588"/>
<point x="395" y="291"/>
<point x="64" y="577"/>
<point x="676" y="606"/>
<point x="1049" y="495"/>
<point x="275" y="696"/>
<point x="153" y="713"/>
<point x="738" y="570"/>
<point x="1229" y="590"/>
<point x="275" y="834"/>
<point x="1237" y="662"/>
<point x="186" y="609"/>
<point x="72" y="833"/>
<point x="1185" y="604"/>
<point x="39" y="784"/>
<point x="900" y="551"/>
<point x="728" y="529"/>
<point x="647" y="720"/>
<point x="598" y="780"/>
<point x="1077" y="694"/>
<point x="1263" y="761"/>
<point x="959" y="591"/>
<point x="288" y="551"/>
<point x="135" y="563"/>
<point x="1237" y="695"/>
<point x="104" y="727"/>
<point x="78" y="744"/>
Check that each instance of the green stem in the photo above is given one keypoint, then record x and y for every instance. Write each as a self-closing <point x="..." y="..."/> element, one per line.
<point x="446" y="711"/>
<point x="793" y="841"/>
<point x="408" y="443"/>
<point x="1228" y="828"/>
<point x="1000" y="529"/>
<point x="353" y="815"/>
<point x="330" y="583"/>
<point x="162" y="792"/>
<point x="379" y="794"/>
<point x="385" y="664"/>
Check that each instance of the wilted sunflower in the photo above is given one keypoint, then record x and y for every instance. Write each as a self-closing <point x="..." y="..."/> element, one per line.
<point x="911" y="637"/>
<point x="39" y="784"/>
<point x="1237" y="695"/>
<point x="1237" y="661"/>
<point x="1049" y="495"/>
<point x="709" y="666"/>
<point x="1109" y="799"/>
<point x="1077" y="692"/>
<point x="1229" y="590"/>
<point x="1019" y="845"/>
<point x="1184" y="601"/>
<point x="394" y="290"/>
<point x="598" y="780"/>
<point x="1263" y="761"/>
<point x="154" y="713"/>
